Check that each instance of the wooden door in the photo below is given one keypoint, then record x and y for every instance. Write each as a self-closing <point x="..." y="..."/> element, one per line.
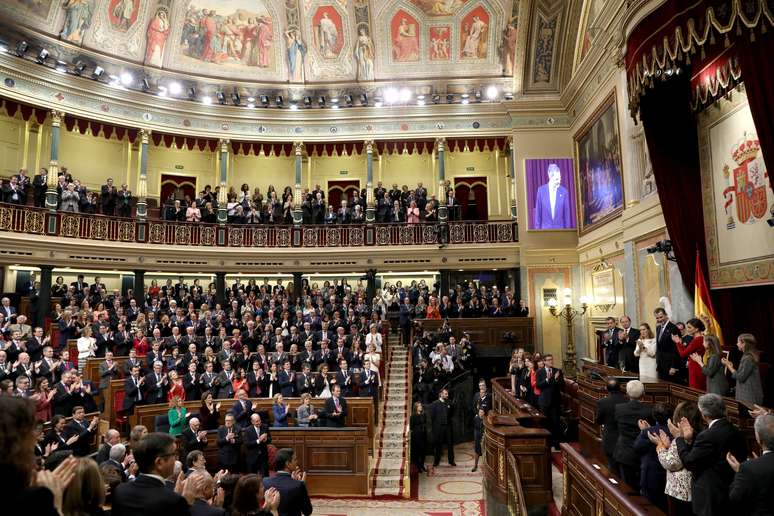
<point x="471" y="194"/>
<point x="342" y="190"/>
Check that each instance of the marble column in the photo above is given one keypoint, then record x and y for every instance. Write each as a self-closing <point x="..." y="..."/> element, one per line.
<point x="223" y="192"/>
<point x="142" y="181"/>
<point x="297" y="213"/>
<point x="139" y="287"/>
<point x="512" y="173"/>
<point x="370" y="209"/>
<point x="44" y="295"/>
<point x="220" y="289"/>
<point x="443" y="214"/>
<point x="298" y="279"/>
<point x="52" y="195"/>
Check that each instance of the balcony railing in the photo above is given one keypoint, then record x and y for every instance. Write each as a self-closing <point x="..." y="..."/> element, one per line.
<point x="38" y="221"/>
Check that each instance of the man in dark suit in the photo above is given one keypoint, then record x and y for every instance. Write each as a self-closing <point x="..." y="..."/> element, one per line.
<point x="229" y="444"/>
<point x="108" y="198"/>
<point x="606" y="420"/>
<point x="344" y="378"/>
<point x="336" y="408"/>
<point x="552" y="202"/>
<point x="83" y="429"/>
<point x="404" y="320"/>
<point x="611" y="344"/>
<point x="256" y="438"/>
<point x="287" y="380"/>
<point x="550" y="381"/>
<point x="204" y="493"/>
<point x="304" y="380"/>
<point x="115" y="460"/>
<point x="753" y="483"/>
<point x="290" y="483"/>
<point x="705" y="455"/>
<point x="155" y="455"/>
<point x="133" y="390"/>
<point x="193" y="438"/>
<point x="440" y="421"/>
<point x="369" y="381"/>
<point x="156" y="385"/>
<point x="666" y="353"/>
<point x="242" y="409"/>
<point x="627" y="418"/>
<point x="628" y="338"/>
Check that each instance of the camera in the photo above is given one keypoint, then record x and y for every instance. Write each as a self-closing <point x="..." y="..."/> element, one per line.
<point x="663" y="246"/>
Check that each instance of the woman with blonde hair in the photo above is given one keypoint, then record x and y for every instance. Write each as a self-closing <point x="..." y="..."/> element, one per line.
<point x="711" y="366"/>
<point x="87" y="347"/>
<point x="749" y="389"/>
<point x="305" y="414"/>
<point x="646" y="351"/>
<point x="176" y="416"/>
<point x="280" y="411"/>
<point x="85" y="494"/>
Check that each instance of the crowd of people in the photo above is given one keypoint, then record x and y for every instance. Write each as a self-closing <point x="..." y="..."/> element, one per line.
<point x="243" y="206"/>
<point x="689" y="459"/>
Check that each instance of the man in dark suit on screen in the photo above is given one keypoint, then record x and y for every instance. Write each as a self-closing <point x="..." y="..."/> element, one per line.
<point x="290" y="482"/>
<point x="552" y="202"/>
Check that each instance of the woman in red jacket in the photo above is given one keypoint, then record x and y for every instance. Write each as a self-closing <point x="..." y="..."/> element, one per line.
<point x="693" y="328"/>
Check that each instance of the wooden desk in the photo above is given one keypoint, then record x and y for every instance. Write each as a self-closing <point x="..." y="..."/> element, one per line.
<point x="360" y="412"/>
<point x="96" y="439"/>
<point x="91" y="372"/>
<point x="335" y="459"/>
<point x="588" y="490"/>
<point x="503" y="402"/>
<point x="530" y="448"/>
<point x="487" y="333"/>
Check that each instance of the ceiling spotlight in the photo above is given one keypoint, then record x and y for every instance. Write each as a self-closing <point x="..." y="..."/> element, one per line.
<point x="508" y="95"/>
<point x="420" y="102"/>
<point x="250" y="99"/>
<point x="280" y="101"/>
<point x="162" y="91"/>
<point x="307" y="101"/>
<point x="378" y="102"/>
<point x="293" y="106"/>
<point x="405" y="95"/>
<point x="477" y="95"/>
<point x="436" y="98"/>
<point x="207" y="101"/>
<point x="491" y="92"/>
<point x="221" y="98"/>
<point x="42" y="56"/>
<point x="449" y="98"/>
<point x="250" y="105"/>
<point x="192" y="93"/>
<point x="363" y="99"/>
<point x="236" y="99"/>
<point x="80" y="66"/>
<point x="145" y="84"/>
<point x="465" y="101"/>
<point x="335" y="100"/>
<point x="97" y="73"/>
<point x="175" y="88"/>
<point x="21" y="48"/>
<point x="391" y="96"/>
<point x="61" y="67"/>
<point x="127" y="79"/>
<point x="335" y="106"/>
<point x="321" y="100"/>
<point x="265" y="100"/>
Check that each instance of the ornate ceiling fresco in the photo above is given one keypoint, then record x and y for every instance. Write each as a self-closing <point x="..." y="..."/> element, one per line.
<point x="290" y="41"/>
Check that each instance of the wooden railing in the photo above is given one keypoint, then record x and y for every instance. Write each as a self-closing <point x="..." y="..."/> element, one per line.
<point x="517" y="504"/>
<point x="37" y="221"/>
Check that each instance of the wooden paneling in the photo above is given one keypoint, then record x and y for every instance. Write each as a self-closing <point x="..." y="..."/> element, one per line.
<point x="487" y="334"/>
<point x="589" y="490"/>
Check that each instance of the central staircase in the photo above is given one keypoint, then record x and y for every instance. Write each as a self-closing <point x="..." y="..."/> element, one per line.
<point x="391" y="464"/>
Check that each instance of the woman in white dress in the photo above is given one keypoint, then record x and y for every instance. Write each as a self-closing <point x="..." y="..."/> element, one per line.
<point x="373" y="357"/>
<point x="646" y="350"/>
<point x="86" y="347"/>
<point x="375" y="338"/>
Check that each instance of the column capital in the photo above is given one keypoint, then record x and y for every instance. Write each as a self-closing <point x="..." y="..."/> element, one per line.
<point x="56" y="117"/>
<point x="369" y="146"/>
<point x="298" y="147"/>
<point x="440" y="144"/>
<point x="511" y="143"/>
<point x="145" y="135"/>
<point x="224" y="143"/>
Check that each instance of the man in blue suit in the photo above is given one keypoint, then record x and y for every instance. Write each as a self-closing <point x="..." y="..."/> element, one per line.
<point x="290" y="482"/>
<point x="552" y="203"/>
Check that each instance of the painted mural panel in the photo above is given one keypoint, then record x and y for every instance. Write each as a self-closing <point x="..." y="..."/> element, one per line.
<point x="40" y="8"/>
<point x="328" y="32"/>
<point x="474" y="34"/>
<point x="590" y="29"/>
<point x="440" y="43"/>
<point x="228" y="34"/>
<point x="440" y="7"/>
<point x="405" y="37"/>
<point x="544" y="49"/>
<point x="156" y="37"/>
<point x="123" y="13"/>
<point x="78" y="15"/>
<point x="507" y="49"/>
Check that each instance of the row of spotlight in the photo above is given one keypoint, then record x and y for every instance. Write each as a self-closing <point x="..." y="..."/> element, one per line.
<point x="126" y="80"/>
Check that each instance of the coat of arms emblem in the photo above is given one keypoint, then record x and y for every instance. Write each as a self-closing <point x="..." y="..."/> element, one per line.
<point x="750" y="182"/>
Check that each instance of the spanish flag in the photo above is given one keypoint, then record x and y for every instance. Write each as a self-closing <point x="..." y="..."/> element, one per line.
<point x="703" y="303"/>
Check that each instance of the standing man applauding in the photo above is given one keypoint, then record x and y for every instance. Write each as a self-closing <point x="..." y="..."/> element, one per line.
<point x="550" y="382"/>
<point x="290" y="481"/>
<point x="440" y="417"/>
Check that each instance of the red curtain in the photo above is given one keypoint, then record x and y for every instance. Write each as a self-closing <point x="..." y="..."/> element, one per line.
<point x="472" y="207"/>
<point x="341" y="190"/>
<point x="757" y="65"/>
<point x="673" y="142"/>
